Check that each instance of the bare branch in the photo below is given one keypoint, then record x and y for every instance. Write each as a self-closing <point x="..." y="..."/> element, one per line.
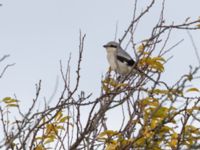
<point x="194" y="46"/>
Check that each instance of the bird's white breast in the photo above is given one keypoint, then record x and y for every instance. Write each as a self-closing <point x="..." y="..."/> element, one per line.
<point x="111" y="56"/>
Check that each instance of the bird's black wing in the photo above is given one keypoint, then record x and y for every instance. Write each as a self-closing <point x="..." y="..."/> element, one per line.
<point x="129" y="62"/>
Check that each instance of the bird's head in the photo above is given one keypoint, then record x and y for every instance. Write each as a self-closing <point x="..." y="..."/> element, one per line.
<point x="111" y="46"/>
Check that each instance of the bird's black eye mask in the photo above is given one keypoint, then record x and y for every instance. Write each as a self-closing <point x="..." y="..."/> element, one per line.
<point x="113" y="46"/>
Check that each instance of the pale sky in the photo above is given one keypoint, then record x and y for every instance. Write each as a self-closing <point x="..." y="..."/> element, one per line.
<point x="38" y="33"/>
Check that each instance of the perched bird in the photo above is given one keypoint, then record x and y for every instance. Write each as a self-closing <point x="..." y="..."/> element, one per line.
<point x="120" y="61"/>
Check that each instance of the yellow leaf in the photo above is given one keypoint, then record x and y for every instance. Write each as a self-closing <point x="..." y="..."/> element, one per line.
<point x="60" y="127"/>
<point x="158" y="66"/>
<point x="112" y="146"/>
<point x="39" y="147"/>
<point x="107" y="80"/>
<point x="158" y="59"/>
<point x="147" y="134"/>
<point x="106" y="88"/>
<point x="51" y="136"/>
<point x="111" y="82"/>
<point x="173" y="143"/>
<point x="149" y="102"/>
<point x="174" y="135"/>
<point x="122" y="85"/>
<point x="190" y="111"/>
<point x="141" y="48"/>
<point x="58" y="115"/>
<point x="140" y="141"/>
<point x="145" y="53"/>
<point x="153" y="63"/>
<point x="39" y="138"/>
<point x="159" y="91"/>
<point x="108" y="133"/>
<point x="161" y="112"/>
<point x="12" y="105"/>
<point x="193" y="90"/>
<point x="6" y="98"/>
<point x="166" y="129"/>
<point x="50" y="140"/>
<point x="51" y="128"/>
<point x="64" y="119"/>
<point x="174" y="140"/>
<point x="9" y="100"/>
<point x="154" y="123"/>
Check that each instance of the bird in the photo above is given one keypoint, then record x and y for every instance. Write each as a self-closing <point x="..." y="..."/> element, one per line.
<point x="120" y="61"/>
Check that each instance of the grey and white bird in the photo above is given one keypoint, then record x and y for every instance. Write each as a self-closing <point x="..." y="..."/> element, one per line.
<point x="119" y="60"/>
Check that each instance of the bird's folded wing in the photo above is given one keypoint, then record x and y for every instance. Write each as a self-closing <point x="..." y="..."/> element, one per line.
<point x="128" y="61"/>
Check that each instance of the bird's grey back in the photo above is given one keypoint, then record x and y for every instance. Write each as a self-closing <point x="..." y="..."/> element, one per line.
<point x="123" y="53"/>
